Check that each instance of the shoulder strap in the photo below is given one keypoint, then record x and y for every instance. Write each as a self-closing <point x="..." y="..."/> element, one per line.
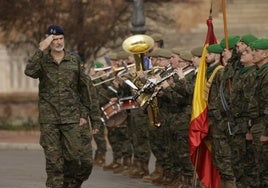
<point x="210" y="80"/>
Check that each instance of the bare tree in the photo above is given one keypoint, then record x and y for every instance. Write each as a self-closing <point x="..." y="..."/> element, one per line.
<point x="89" y="24"/>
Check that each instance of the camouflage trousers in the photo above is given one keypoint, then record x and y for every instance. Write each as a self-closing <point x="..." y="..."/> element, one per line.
<point x="180" y="149"/>
<point x="243" y="160"/>
<point x="100" y="140"/>
<point x="160" y="138"/>
<point x="120" y="142"/>
<point x="221" y="151"/>
<point x="86" y="157"/>
<point x="261" y="155"/>
<point x="139" y="126"/>
<point x="66" y="153"/>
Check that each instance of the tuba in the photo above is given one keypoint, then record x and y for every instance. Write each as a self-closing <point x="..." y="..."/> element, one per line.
<point x="139" y="45"/>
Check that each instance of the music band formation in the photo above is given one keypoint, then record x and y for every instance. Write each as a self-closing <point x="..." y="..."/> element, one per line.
<point x="141" y="97"/>
<point x="163" y="91"/>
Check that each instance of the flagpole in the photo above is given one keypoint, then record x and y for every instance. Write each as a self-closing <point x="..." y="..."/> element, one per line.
<point x="225" y="24"/>
<point x="194" y="184"/>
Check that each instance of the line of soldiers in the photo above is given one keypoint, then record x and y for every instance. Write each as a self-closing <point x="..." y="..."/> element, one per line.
<point x="237" y="112"/>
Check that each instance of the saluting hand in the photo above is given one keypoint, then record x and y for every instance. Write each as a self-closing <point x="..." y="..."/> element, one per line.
<point x="45" y="43"/>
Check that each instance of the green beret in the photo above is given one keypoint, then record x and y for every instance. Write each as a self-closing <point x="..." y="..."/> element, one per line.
<point x="164" y="53"/>
<point x="177" y="50"/>
<point x="261" y="44"/>
<point x="215" y="48"/>
<point x="98" y="64"/>
<point x="232" y="40"/>
<point x="122" y="55"/>
<point x="248" y="38"/>
<point x="197" y="51"/>
<point x="157" y="37"/>
<point x="186" y="56"/>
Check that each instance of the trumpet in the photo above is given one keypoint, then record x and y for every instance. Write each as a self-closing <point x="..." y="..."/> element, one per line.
<point x="114" y="72"/>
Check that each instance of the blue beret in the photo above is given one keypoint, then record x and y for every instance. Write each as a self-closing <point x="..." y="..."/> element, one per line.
<point x="215" y="48"/>
<point x="54" y="30"/>
<point x="261" y="44"/>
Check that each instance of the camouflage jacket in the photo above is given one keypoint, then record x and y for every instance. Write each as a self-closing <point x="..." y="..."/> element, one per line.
<point x="64" y="95"/>
<point x="242" y="90"/>
<point x="213" y="97"/>
<point x="258" y="106"/>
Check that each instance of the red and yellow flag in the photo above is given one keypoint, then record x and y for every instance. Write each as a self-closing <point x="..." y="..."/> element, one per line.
<point x="200" y="150"/>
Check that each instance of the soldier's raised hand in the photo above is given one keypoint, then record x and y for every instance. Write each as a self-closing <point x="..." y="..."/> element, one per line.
<point x="45" y="43"/>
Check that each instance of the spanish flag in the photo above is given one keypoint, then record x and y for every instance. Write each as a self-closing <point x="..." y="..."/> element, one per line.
<point x="200" y="150"/>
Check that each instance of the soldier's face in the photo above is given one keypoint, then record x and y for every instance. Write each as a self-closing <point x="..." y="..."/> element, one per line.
<point x="162" y="62"/>
<point x="259" y="56"/>
<point x="240" y="47"/>
<point x="58" y="43"/>
<point x="174" y="61"/>
<point x="210" y="58"/>
<point x="196" y="61"/>
<point x="246" y="56"/>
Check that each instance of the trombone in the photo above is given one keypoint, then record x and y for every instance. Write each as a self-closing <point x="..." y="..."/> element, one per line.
<point x="114" y="72"/>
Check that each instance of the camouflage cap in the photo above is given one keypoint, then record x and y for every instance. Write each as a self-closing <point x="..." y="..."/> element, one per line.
<point x="232" y="41"/>
<point x="153" y="53"/>
<point x="177" y="50"/>
<point x="113" y="56"/>
<point x="186" y="56"/>
<point x="164" y="53"/>
<point x="261" y="44"/>
<point x="157" y="37"/>
<point x="122" y="55"/>
<point x="215" y="48"/>
<point x="197" y="51"/>
<point x="248" y="38"/>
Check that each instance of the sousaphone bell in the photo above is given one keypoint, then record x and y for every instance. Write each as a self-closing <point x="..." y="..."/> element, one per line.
<point x="139" y="45"/>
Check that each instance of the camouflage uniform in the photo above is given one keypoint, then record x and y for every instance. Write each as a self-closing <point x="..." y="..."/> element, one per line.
<point x="167" y="137"/>
<point x="99" y="138"/>
<point x="60" y="109"/>
<point x="180" y="126"/>
<point x="139" y="130"/>
<point x="242" y="162"/>
<point x="140" y="138"/>
<point x="119" y="138"/>
<point x="218" y="130"/>
<point x="258" y="111"/>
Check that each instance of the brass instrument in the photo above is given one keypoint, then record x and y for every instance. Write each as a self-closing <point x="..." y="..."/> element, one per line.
<point x="156" y="87"/>
<point x="114" y="72"/>
<point x="138" y="45"/>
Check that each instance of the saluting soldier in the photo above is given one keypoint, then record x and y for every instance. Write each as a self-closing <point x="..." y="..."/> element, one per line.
<point x="64" y="109"/>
